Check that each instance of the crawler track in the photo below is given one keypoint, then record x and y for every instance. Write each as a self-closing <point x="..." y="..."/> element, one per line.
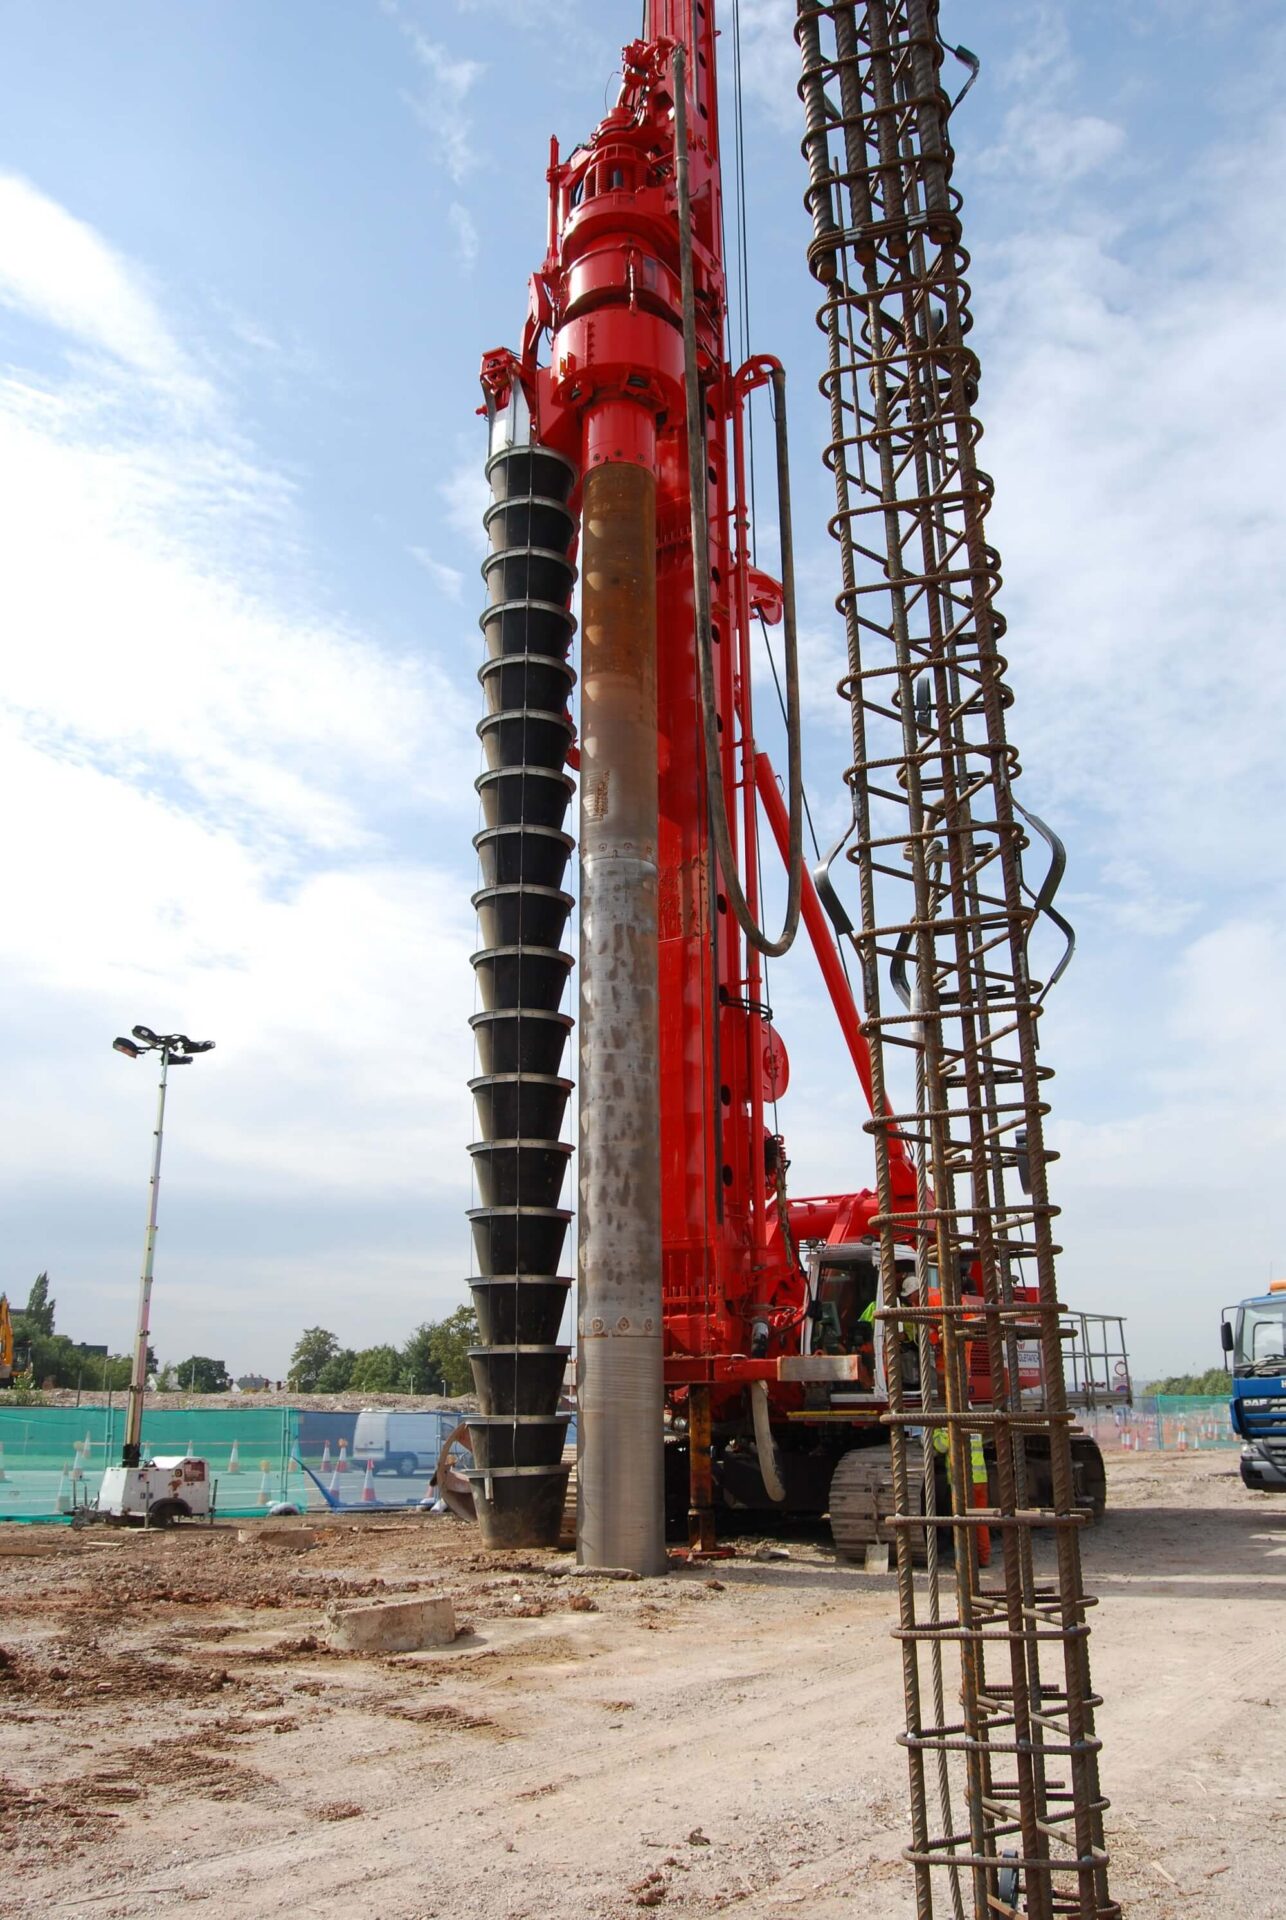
<point x="862" y="1502"/>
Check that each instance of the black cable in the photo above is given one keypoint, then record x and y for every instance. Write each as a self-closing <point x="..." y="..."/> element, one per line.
<point x="803" y="791"/>
<point x="743" y="259"/>
<point x="701" y="583"/>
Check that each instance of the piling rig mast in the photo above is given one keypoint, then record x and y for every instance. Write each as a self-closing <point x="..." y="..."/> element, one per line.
<point x="694" y="1293"/>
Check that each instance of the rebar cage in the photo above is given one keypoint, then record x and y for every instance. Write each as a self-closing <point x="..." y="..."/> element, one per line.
<point x="1016" y="1825"/>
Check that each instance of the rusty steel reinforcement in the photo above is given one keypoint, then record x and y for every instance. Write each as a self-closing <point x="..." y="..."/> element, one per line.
<point x="1017" y="1825"/>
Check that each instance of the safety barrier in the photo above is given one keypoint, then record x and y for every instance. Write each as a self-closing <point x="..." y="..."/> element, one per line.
<point x="1163" y="1423"/>
<point x="52" y="1458"/>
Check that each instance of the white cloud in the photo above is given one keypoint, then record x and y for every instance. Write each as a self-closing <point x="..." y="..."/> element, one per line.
<point x="1043" y="54"/>
<point x="55" y="269"/>
<point x="440" y="103"/>
<point x="339" y="998"/>
<point x="466" y="496"/>
<point x="1173" y="1199"/>
<point x="822" y="663"/>
<point x="518" y="13"/>
<point x="210" y="781"/>
<point x="449" y="579"/>
<point x="151" y="650"/>
<point x="252" y="334"/>
<point x="1052" y="147"/>
<point x="466" y="235"/>
<point x="1041" y="140"/>
<point x="1136" y="447"/>
<point x="769" y="59"/>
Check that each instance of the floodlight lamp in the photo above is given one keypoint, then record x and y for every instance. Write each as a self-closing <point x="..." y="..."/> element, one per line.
<point x="127" y="1047"/>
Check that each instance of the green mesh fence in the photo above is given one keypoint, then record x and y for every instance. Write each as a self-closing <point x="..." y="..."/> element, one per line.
<point x="52" y="1458"/>
<point x="1163" y="1423"/>
<point x="1191" y="1422"/>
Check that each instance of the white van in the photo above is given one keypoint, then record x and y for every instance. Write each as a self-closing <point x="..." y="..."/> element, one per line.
<point x="402" y="1443"/>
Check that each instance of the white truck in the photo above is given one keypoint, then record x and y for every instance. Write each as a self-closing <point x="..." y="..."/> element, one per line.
<point x="400" y="1443"/>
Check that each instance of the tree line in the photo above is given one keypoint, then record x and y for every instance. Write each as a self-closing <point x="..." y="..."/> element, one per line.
<point x="1214" y="1381"/>
<point x="45" y="1358"/>
<point x="435" y="1359"/>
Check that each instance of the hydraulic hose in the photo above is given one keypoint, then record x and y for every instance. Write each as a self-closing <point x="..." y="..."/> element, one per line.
<point x="727" y="858"/>
<point x="765" y="1445"/>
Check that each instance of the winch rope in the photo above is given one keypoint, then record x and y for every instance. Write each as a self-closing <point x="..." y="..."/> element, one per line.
<point x="701" y="585"/>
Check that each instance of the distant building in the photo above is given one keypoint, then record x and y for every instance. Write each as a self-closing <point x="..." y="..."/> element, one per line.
<point x="253" y="1382"/>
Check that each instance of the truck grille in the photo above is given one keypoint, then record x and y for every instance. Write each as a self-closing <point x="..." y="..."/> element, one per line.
<point x="1265" y="1426"/>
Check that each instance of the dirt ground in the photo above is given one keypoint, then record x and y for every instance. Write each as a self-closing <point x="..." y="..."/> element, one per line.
<point x="174" y="1728"/>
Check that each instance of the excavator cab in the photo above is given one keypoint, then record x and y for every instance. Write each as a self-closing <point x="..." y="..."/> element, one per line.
<point x="845" y="1286"/>
<point x="843" y="1300"/>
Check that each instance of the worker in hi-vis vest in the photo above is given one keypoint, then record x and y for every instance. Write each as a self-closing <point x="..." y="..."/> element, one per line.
<point x="866" y="1344"/>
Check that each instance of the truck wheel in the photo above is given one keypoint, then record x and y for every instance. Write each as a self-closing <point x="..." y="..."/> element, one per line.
<point x="1090" y="1476"/>
<point x="163" y="1513"/>
<point x="406" y="1464"/>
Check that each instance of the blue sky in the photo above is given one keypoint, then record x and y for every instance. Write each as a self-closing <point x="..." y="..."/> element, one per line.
<point x="249" y="258"/>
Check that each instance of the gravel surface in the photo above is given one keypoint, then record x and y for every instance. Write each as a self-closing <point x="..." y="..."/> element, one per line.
<point x="175" y="1728"/>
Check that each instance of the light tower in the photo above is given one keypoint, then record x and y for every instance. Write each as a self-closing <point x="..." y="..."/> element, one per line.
<point x="177" y="1050"/>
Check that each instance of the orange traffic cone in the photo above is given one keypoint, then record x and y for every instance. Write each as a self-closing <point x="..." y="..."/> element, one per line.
<point x="368" y="1484"/>
<point x="234" y="1460"/>
<point x="265" y="1491"/>
<point x="342" y="1464"/>
<point x="334" y="1483"/>
<point x="75" y="1465"/>
<point x="63" y="1502"/>
<point x="324" y="1468"/>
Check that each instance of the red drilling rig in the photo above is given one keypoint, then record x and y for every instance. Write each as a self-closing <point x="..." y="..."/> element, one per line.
<point x="890" y="1356"/>
<point x="763" y="1327"/>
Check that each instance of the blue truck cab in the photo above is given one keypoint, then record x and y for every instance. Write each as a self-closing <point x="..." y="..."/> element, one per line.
<point x="1254" y="1337"/>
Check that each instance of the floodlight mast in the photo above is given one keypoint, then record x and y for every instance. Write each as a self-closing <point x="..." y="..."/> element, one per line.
<point x="176" y="1048"/>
